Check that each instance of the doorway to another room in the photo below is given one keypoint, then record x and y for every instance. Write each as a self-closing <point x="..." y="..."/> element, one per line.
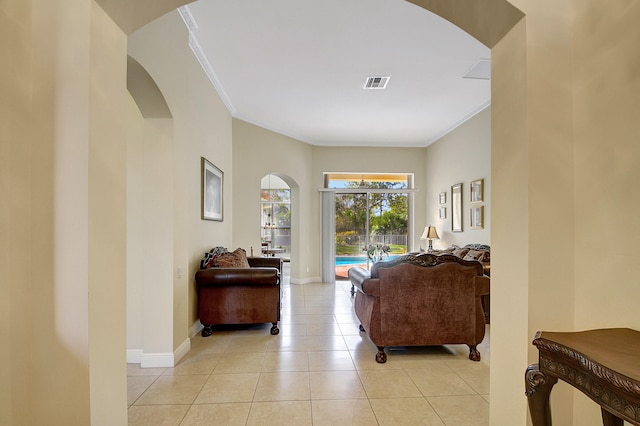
<point x="372" y="217"/>
<point x="275" y="217"/>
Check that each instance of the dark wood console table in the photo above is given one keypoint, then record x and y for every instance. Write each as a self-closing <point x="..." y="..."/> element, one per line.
<point x="602" y="364"/>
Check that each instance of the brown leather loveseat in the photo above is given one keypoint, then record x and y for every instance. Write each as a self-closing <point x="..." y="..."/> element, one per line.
<point x="421" y="300"/>
<point x="236" y="289"/>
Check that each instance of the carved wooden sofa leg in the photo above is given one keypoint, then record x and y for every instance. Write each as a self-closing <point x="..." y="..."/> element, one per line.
<point x="381" y="357"/>
<point x="207" y="331"/>
<point x="474" y="354"/>
<point x="275" y="330"/>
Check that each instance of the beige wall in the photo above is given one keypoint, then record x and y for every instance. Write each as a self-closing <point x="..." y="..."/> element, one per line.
<point x="17" y="186"/>
<point x="256" y="153"/>
<point x="174" y="233"/>
<point x="63" y="232"/>
<point x="462" y="156"/>
<point x="510" y="338"/>
<point x="606" y="162"/>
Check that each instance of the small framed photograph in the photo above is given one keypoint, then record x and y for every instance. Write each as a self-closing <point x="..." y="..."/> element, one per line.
<point x="443" y="197"/>
<point x="212" y="181"/>
<point x="476" y="191"/>
<point x="477" y="218"/>
<point x="443" y="212"/>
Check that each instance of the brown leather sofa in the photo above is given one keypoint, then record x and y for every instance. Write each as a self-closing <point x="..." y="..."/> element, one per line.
<point x="421" y="300"/>
<point x="481" y="253"/>
<point x="244" y="293"/>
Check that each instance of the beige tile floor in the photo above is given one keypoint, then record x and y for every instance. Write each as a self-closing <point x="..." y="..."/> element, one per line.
<point x="320" y="370"/>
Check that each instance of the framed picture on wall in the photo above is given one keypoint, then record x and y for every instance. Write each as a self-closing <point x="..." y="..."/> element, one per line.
<point x="456" y="207"/>
<point x="476" y="216"/>
<point x="443" y="212"/>
<point x="476" y="190"/>
<point x="212" y="181"/>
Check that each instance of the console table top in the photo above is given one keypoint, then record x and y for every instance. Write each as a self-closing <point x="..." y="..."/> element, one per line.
<point x="615" y="349"/>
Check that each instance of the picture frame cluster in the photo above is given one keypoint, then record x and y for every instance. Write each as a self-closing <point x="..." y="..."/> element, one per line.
<point x="476" y="203"/>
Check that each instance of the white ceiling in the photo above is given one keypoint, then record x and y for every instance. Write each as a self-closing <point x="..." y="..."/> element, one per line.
<point x="298" y="67"/>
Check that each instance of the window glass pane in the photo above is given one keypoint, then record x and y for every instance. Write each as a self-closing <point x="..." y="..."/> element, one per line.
<point x="281" y="215"/>
<point x="275" y="219"/>
<point x="367" y="180"/>
<point x="280" y="195"/>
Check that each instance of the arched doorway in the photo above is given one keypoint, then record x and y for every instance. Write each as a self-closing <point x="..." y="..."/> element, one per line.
<point x="494" y="22"/>
<point x="275" y="217"/>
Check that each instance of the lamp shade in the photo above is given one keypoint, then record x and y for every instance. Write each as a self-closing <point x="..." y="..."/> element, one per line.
<point x="430" y="233"/>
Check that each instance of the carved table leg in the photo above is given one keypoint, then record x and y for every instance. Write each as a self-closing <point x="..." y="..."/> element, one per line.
<point x="609" y="419"/>
<point x="538" y="388"/>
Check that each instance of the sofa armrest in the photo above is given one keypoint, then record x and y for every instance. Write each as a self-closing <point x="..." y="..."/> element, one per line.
<point x="273" y="262"/>
<point x="357" y="276"/>
<point x="483" y="285"/>
<point x="235" y="276"/>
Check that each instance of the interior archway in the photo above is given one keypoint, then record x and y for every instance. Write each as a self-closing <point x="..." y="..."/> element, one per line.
<point x="495" y="23"/>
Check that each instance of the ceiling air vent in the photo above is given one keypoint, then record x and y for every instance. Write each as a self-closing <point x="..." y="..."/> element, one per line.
<point x="376" y="82"/>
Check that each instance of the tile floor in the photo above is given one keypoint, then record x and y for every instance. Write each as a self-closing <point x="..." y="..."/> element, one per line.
<point x="320" y="370"/>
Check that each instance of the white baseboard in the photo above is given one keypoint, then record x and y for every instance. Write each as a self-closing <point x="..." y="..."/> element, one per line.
<point x="196" y="327"/>
<point x="158" y="360"/>
<point x="181" y="351"/>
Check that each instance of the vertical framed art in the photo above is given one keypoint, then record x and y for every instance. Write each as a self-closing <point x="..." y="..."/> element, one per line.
<point x="212" y="185"/>
<point x="476" y="191"/>
<point x="443" y="212"/>
<point x="456" y="207"/>
<point x="477" y="217"/>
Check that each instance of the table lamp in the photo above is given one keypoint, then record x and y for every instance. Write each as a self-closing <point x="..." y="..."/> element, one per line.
<point x="430" y="234"/>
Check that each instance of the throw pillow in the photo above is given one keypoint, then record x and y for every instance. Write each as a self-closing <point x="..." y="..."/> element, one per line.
<point x="474" y="255"/>
<point x="461" y="252"/>
<point x="236" y="259"/>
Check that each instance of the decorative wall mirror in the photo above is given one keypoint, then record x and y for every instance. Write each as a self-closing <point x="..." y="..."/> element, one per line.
<point x="456" y="207"/>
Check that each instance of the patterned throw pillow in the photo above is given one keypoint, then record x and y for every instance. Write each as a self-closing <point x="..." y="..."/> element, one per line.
<point x="461" y="252"/>
<point x="474" y="255"/>
<point x="209" y="258"/>
<point x="236" y="259"/>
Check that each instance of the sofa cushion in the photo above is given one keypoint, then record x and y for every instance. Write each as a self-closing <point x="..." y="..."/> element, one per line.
<point x="475" y="255"/>
<point x="235" y="259"/>
<point x="209" y="258"/>
<point x="460" y="252"/>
